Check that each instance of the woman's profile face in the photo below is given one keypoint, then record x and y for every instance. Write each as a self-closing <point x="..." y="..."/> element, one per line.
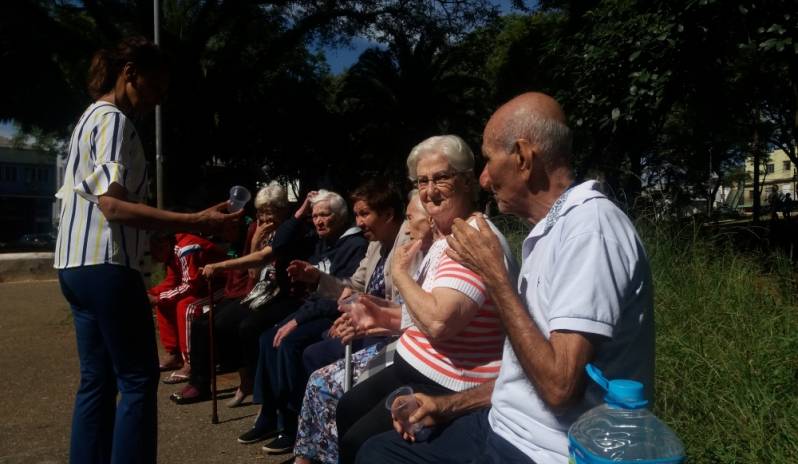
<point x="375" y="226"/>
<point x="145" y="90"/>
<point x="418" y="225"/>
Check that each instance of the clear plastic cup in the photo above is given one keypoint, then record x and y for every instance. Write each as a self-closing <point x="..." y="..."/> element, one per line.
<point x="402" y="405"/>
<point x="352" y="306"/>
<point x="239" y="196"/>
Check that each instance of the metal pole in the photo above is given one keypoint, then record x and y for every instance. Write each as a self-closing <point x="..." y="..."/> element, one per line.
<point x="158" y="121"/>
<point x="347" y="367"/>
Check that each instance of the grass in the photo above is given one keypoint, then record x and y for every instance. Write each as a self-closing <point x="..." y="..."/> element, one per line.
<point x="727" y="345"/>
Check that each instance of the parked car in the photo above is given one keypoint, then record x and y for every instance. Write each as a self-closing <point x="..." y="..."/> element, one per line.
<point x="39" y="241"/>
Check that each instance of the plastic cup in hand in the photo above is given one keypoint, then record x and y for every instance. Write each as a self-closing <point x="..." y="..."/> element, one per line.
<point x="352" y="306"/>
<point x="239" y="196"/>
<point x="402" y="405"/>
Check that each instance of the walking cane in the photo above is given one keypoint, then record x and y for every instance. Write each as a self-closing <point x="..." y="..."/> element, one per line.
<point x="347" y="367"/>
<point x="214" y="414"/>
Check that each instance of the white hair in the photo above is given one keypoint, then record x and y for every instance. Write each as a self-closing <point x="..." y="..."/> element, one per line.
<point x="454" y="148"/>
<point x="337" y="203"/>
<point x="553" y="138"/>
<point x="272" y="196"/>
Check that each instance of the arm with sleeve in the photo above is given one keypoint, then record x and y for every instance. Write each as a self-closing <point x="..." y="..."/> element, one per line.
<point x="345" y="261"/>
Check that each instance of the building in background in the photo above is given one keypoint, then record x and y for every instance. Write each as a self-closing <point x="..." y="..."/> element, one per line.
<point x="27" y="189"/>
<point x="778" y="171"/>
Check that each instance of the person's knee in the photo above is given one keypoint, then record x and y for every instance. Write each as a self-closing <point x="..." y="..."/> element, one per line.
<point x="372" y="451"/>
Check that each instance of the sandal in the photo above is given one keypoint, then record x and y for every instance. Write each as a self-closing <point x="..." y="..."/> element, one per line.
<point x="176" y="377"/>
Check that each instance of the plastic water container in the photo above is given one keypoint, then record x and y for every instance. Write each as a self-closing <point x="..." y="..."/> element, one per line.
<point x="622" y="429"/>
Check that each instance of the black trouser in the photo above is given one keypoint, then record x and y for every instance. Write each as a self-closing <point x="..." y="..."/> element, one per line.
<point x="361" y="412"/>
<point x="236" y="332"/>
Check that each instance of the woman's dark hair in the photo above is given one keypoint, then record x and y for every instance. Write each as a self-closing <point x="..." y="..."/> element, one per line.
<point x="106" y="64"/>
<point x="381" y="196"/>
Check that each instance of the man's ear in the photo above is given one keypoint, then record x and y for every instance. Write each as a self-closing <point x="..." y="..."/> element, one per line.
<point x="525" y="154"/>
<point x="130" y="72"/>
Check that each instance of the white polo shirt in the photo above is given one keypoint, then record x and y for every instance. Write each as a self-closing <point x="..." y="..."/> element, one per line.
<point x="584" y="269"/>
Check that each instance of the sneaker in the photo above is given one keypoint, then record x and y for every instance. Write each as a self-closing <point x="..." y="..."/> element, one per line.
<point x="260" y="431"/>
<point x="281" y="444"/>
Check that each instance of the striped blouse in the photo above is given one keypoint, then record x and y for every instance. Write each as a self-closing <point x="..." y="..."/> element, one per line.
<point x="104" y="149"/>
<point x="471" y="357"/>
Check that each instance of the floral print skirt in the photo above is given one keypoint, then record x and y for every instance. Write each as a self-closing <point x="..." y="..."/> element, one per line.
<point x="317" y="435"/>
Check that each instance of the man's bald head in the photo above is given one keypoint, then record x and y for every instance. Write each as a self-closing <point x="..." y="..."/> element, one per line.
<point x="537" y="118"/>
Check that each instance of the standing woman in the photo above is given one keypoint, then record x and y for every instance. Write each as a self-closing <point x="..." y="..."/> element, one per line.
<point x="101" y="239"/>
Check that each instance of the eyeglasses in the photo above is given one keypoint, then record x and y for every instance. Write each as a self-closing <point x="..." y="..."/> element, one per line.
<point x="441" y="179"/>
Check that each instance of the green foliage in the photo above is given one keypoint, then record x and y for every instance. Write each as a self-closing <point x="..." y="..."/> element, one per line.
<point x="727" y="347"/>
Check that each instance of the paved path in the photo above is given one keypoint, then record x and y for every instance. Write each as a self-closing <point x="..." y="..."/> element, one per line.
<point x="39" y="374"/>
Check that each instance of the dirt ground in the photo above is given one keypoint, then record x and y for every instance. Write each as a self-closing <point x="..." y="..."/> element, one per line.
<point x="39" y="374"/>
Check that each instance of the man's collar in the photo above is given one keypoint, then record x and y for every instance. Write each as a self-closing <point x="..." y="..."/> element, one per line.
<point x="575" y="195"/>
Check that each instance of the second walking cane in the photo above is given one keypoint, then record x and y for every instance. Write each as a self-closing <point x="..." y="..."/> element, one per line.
<point x="214" y="414"/>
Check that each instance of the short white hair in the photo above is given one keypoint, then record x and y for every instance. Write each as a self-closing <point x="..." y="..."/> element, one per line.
<point x="454" y="148"/>
<point x="553" y="138"/>
<point x="272" y="196"/>
<point x="337" y="203"/>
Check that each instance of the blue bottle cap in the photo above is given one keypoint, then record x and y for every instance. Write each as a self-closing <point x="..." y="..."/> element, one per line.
<point x="621" y="393"/>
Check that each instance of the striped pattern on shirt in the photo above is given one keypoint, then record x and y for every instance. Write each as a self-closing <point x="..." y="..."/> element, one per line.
<point x="104" y="148"/>
<point x="474" y="355"/>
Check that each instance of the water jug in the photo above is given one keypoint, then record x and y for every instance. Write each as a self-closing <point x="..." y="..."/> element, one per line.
<point x="622" y="429"/>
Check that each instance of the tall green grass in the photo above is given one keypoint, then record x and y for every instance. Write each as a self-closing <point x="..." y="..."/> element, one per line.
<point x="727" y="345"/>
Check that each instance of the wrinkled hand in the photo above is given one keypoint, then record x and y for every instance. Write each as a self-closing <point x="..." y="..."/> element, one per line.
<point x="346" y="293"/>
<point x="303" y="271"/>
<point x="373" y="315"/>
<point x="403" y="256"/>
<point x="478" y="249"/>
<point x="216" y="219"/>
<point x="304" y="210"/>
<point x="283" y="332"/>
<point x="209" y="270"/>
<point x="432" y="411"/>
<point x="343" y="329"/>
<point x="262" y="230"/>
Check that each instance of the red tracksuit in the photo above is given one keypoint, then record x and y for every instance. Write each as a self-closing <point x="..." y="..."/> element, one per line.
<point x="182" y="286"/>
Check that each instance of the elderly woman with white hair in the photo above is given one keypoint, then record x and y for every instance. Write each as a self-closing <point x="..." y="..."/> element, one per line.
<point x="238" y="323"/>
<point x="453" y="340"/>
<point x="281" y="376"/>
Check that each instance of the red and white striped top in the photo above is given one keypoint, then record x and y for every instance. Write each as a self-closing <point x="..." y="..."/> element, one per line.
<point x="474" y="355"/>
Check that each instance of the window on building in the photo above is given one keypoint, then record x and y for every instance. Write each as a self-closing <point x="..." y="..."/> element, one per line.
<point x="9" y="173"/>
<point x="771" y="168"/>
<point x="751" y="195"/>
<point x="786" y="166"/>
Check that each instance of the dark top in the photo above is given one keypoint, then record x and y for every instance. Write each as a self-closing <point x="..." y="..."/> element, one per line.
<point x="339" y="258"/>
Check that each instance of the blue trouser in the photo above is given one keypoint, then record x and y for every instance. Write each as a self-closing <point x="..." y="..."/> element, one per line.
<point x="117" y="351"/>
<point x="281" y="377"/>
<point x="468" y="439"/>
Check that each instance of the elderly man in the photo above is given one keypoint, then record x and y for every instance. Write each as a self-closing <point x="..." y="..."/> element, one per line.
<point x="584" y="294"/>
